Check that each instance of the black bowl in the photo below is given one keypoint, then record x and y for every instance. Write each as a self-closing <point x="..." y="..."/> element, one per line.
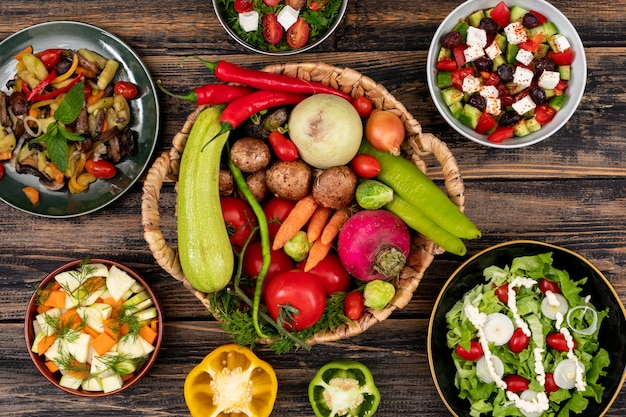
<point x="612" y="332"/>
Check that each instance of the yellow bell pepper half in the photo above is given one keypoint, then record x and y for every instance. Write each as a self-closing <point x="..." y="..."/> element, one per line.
<point x="231" y="380"/>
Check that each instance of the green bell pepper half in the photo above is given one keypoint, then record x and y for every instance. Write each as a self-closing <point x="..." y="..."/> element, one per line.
<point x="344" y="388"/>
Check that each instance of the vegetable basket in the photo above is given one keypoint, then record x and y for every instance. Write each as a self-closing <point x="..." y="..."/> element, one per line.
<point x="421" y="148"/>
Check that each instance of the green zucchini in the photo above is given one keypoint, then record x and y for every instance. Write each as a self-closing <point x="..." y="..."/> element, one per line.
<point x="415" y="187"/>
<point x="204" y="249"/>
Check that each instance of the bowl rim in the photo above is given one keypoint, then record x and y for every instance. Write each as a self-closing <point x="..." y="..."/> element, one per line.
<point x="455" y="275"/>
<point x="562" y="116"/>
<point x="29" y="333"/>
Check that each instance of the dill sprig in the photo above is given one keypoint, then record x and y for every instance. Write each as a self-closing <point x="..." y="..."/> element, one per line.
<point x="122" y="364"/>
<point x="67" y="362"/>
<point x="66" y="328"/>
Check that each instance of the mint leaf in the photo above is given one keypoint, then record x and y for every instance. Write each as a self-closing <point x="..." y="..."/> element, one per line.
<point x="69" y="135"/>
<point x="72" y="104"/>
<point x="57" y="150"/>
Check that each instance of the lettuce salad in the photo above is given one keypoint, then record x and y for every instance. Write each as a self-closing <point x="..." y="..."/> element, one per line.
<point x="517" y="292"/>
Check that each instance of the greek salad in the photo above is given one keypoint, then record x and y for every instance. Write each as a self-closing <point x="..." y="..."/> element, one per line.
<point x="504" y="71"/>
<point x="525" y="343"/>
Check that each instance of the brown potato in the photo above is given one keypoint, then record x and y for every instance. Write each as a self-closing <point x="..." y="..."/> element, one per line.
<point x="289" y="180"/>
<point x="250" y="154"/>
<point x="335" y="187"/>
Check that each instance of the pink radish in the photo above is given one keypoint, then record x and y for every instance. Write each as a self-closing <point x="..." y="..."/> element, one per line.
<point x="374" y="244"/>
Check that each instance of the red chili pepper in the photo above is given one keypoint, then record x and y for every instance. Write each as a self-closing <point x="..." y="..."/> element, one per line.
<point x="58" y="91"/>
<point x="50" y="57"/>
<point x="39" y="88"/>
<point x="211" y="94"/>
<point x="229" y="72"/>
<point x="284" y="149"/>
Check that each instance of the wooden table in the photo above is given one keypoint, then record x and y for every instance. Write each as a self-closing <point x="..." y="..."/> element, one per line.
<point x="569" y="190"/>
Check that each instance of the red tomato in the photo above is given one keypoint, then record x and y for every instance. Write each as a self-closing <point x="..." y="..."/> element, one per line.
<point x="459" y="75"/>
<point x="353" y="305"/>
<point x="562" y="58"/>
<point x="541" y="18"/>
<point x="331" y="273"/>
<point x="490" y="78"/>
<point x="243" y="6"/>
<point x="363" y="106"/>
<point x="550" y="386"/>
<point x="50" y="57"/>
<point x="272" y="30"/>
<point x="532" y="44"/>
<point x="365" y="166"/>
<point x="519" y="341"/>
<point x="446" y="64"/>
<point x="297" y="297"/>
<point x="485" y="123"/>
<point x="1" y="171"/>
<point x="515" y="383"/>
<point x="126" y="89"/>
<point x="475" y="352"/>
<point x="317" y="5"/>
<point x="501" y="14"/>
<point x="546" y="285"/>
<point x="271" y="3"/>
<point x="239" y="218"/>
<point x="276" y="211"/>
<point x="253" y="262"/>
<point x="101" y="168"/>
<point x="501" y="133"/>
<point x="544" y="113"/>
<point x="459" y="55"/>
<point x="502" y="292"/>
<point x="298" y="33"/>
<point x="557" y="341"/>
<point x="296" y="4"/>
<point x="284" y="149"/>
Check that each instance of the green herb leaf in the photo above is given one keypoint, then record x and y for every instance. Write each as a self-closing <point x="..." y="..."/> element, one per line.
<point x="57" y="147"/>
<point x="72" y="104"/>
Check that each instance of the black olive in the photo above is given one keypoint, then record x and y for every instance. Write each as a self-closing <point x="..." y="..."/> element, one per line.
<point x="537" y="94"/>
<point x="451" y="39"/>
<point x="510" y="118"/>
<point x="505" y="72"/>
<point x="488" y="25"/>
<point x="477" y="101"/>
<point x="544" y="64"/>
<point x="63" y="66"/>
<point x="530" y="21"/>
<point x="484" y="63"/>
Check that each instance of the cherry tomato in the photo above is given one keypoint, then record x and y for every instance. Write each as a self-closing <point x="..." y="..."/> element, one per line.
<point x="546" y="285"/>
<point x="331" y="273"/>
<point x="317" y="5"/>
<point x="298" y="33"/>
<point x="1" y="171"/>
<point x="297" y="297"/>
<point x="284" y="149"/>
<point x="101" y="168"/>
<point x="126" y="89"/>
<point x="50" y="57"/>
<point x="557" y="341"/>
<point x="519" y="341"/>
<point x="271" y="3"/>
<point x="475" y="352"/>
<point x="544" y="113"/>
<point x="243" y="6"/>
<point x="353" y="305"/>
<point x="296" y="4"/>
<point x="550" y="386"/>
<point x="502" y="292"/>
<point x="276" y="211"/>
<point x="363" y="106"/>
<point x="253" y="262"/>
<point x="240" y="219"/>
<point x="515" y="383"/>
<point x="365" y="166"/>
<point x="384" y="130"/>
<point x="272" y="30"/>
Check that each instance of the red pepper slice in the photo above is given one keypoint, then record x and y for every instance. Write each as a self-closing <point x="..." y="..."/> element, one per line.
<point x="58" y="91"/>
<point x="40" y="87"/>
<point x="446" y="64"/>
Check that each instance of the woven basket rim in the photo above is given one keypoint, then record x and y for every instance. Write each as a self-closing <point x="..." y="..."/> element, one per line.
<point x="416" y="146"/>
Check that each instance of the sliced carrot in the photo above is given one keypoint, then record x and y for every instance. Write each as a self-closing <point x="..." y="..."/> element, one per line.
<point x="148" y="334"/>
<point x="95" y="283"/>
<point x="70" y="318"/>
<point x="124" y="329"/>
<point x="28" y="49"/>
<point x="86" y="72"/>
<point x="53" y="367"/>
<point x="317" y="223"/>
<point x="91" y="331"/>
<point x="77" y="369"/>
<point x="55" y="285"/>
<point x="58" y="175"/>
<point x="6" y="155"/>
<point x="45" y="342"/>
<point x="317" y="252"/>
<point x="295" y="221"/>
<point x="32" y="194"/>
<point x="42" y="309"/>
<point x="55" y="298"/>
<point x="334" y="225"/>
<point x="103" y="343"/>
<point x="154" y="324"/>
<point x="112" y="302"/>
<point x="127" y="377"/>
<point x="112" y="328"/>
<point x="93" y="98"/>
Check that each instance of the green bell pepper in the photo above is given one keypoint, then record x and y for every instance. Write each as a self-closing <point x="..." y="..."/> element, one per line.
<point x="343" y="388"/>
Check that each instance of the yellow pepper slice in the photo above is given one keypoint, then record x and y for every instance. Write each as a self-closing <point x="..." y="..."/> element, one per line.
<point x="68" y="73"/>
<point x="231" y="380"/>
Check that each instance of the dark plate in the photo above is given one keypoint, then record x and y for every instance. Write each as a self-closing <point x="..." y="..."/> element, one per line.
<point x="612" y="332"/>
<point x="144" y="109"/>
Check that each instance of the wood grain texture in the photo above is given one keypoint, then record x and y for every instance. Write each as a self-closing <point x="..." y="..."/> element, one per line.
<point x="569" y="190"/>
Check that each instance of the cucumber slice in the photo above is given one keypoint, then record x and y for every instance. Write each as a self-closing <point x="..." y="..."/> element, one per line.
<point x="517" y="13"/>
<point x="565" y="72"/>
<point x="451" y="95"/>
<point x="475" y="18"/>
<point x="470" y="116"/>
<point x="456" y="109"/>
<point x="557" y="102"/>
<point x="444" y="79"/>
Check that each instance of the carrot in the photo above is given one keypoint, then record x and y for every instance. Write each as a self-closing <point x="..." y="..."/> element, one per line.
<point x="112" y="328"/>
<point x="58" y="175"/>
<point x="317" y="223"/>
<point x="103" y="343"/>
<point x="94" y="97"/>
<point x="86" y="72"/>
<point x="5" y="156"/>
<point x="70" y="318"/>
<point x="56" y="285"/>
<point x="53" y="367"/>
<point x="28" y="49"/>
<point x="91" y="331"/>
<point x="77" y="369"/>
<point x="127" y="377"/>
<point x="153" y="324"/>
<point x="297" y="218"/>
<point x="43" y="309"/>
<point x="148" y="334"/>
<point x="32" y="194"/>
<point x="55" y="298"/>
<point x="45" y="343"/>
<point x="317" y="252"/>
<point x="334" y="225"/>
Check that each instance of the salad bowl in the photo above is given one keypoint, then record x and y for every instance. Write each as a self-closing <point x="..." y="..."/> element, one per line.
<point x="612" y="330"/>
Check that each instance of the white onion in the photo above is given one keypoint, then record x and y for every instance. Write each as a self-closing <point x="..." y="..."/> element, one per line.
<point x="498" y="328"/>
<point x="594" y="322"/>
<point x="326" y="129"/>
<point x="551" y="308"/>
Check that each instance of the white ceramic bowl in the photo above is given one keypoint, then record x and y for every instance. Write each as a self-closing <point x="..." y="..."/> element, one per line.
<point x="575" y="89"/>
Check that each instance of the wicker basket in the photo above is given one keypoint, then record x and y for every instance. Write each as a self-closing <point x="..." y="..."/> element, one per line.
<point x="417" y="146"/>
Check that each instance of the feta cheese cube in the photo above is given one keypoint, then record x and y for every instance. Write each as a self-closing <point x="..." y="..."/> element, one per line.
<point x="515" y="33"/>
<point x="524" y="105"/>
<point x="549" y="79"/>
<point x="561" y="43"/>
<point x="493" y="106"/>
<point x="489" y="91"/>
<point x="524" y="56"/>
<point x="476" y="37"/>
<point x="493" y="50"/>
<point x="471" y="84"/>
<point x="249" y="21"/>
<point x="472" y="53"/>
<point x="523" y="76"/>
<point x="287" y="16"/>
